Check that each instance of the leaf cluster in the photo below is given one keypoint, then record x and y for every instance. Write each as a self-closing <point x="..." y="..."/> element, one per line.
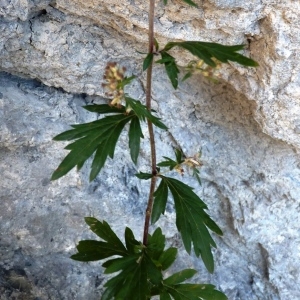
<point x="191" y="219"/>
<point x="140" y="268"/>
<point x="100" y="137"/>
<point x="204" y="51"/>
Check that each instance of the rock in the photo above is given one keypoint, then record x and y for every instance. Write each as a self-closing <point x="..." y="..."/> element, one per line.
<point x="247" y="126"/>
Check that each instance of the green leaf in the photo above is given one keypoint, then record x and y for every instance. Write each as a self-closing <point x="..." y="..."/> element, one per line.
<point x="168" y="163"/>
<point x="126" y="81"/>
<point x="130" y="241"/>
<point x="99" y="136"/>
<point x="167" y="258"/>
<point x="196" y="175"/>
<point x="104" y="231"/>
<point x="144" y="176"/>
<point x="191" y="221"/>
<point x="206" y="51"/>
<point x="143" y="113"/>
<point x="135" y="135"/>
<point x="156" y="244"/>
<point x="190" y="291"/>
<point x="148" y="61"/>
<point x="164" y="296"/>
<point x="132" y="281"/>
<point x="104" y="108"/>
<point x="160" y="201"/>
<point x="190" y="2"/>
<point x="171" y="67"/>
<point x="89" y="250"/>
<point x="180" y="277"/>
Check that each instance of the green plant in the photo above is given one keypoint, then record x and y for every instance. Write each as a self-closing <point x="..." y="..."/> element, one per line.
<point x="140" y="265"/>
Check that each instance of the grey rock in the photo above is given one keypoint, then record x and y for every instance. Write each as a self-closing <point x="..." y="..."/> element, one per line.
<point x="247" y="127"/>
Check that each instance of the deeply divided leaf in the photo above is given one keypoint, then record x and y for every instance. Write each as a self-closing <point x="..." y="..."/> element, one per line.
<point x="143" y="113"/>
<point x="190" y="291"/>
<point x="99" y="136"/>
<point x="192" y="221"/>
<point x="206" y="51"/>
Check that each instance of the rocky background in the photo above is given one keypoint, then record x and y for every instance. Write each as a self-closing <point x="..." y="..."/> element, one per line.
<point x="52" y="58"/>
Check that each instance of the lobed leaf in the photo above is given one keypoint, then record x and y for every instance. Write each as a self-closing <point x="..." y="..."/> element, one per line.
<point x="89" y="250"/>
<point x="143" y="113"/>
<point x="104" y="108"/>
<point x="190" y="291"/>
<point x="132" y="281"/>
<point x="206" y="51"/>
<point x="192" y="221"/>
<point x="99" y="136"/>
<point x="156" y="244"/>
<point x="168" y="163"/>
<point x="167" y="258"/>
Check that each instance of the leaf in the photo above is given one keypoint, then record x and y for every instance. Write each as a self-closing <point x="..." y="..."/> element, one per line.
<point x="132" y="281"/>
<point x="206" y="51"/>
<point x="89" y="250"/>
<point x="164" y="296"/>
<point x="190" y="2"/>
<point x="135" y="135"/>
<point x="156" y="244"/>
<point x="171" y="67"/>
<point x="143" y="113"/>
<point x="148" y="61"/>
<point x="167" y="258"/>
<point x="126" y="81"/>
<point x="104" y="108"/>
<point x="190" y="291"/>
<point x="168" y="163"/>
<point x="180" y="277"/>
<point x="160" y="201"/>
<point x="130" y="241"/>
<point x="156" y="45"/>
<point x="191" y="221"/>
<point x="104" y="231"/>
<point x="99" y="136"/>
<point x="144" y="176"/>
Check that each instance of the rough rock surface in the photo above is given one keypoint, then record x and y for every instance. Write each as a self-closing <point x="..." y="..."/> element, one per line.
<point x="248" y="126"/>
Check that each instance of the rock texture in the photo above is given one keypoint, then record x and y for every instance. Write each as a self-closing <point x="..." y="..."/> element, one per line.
<point x="248" y="127"/>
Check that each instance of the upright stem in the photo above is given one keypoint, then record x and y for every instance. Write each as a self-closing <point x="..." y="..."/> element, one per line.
<point x="150" y="126"/>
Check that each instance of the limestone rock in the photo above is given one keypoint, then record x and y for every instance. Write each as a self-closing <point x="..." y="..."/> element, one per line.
<point x="247" y="126"/>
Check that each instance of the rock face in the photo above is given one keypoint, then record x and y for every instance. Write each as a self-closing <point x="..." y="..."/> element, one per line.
<point x="248" y="127"/>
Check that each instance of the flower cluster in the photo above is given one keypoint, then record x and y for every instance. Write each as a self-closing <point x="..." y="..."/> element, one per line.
<point x="114" y="76"/>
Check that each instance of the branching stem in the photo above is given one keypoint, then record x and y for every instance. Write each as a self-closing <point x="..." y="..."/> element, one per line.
<point x="150" y="126"/>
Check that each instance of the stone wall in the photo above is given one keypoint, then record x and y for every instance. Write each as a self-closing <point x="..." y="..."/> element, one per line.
<point x="52" y="56"/>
